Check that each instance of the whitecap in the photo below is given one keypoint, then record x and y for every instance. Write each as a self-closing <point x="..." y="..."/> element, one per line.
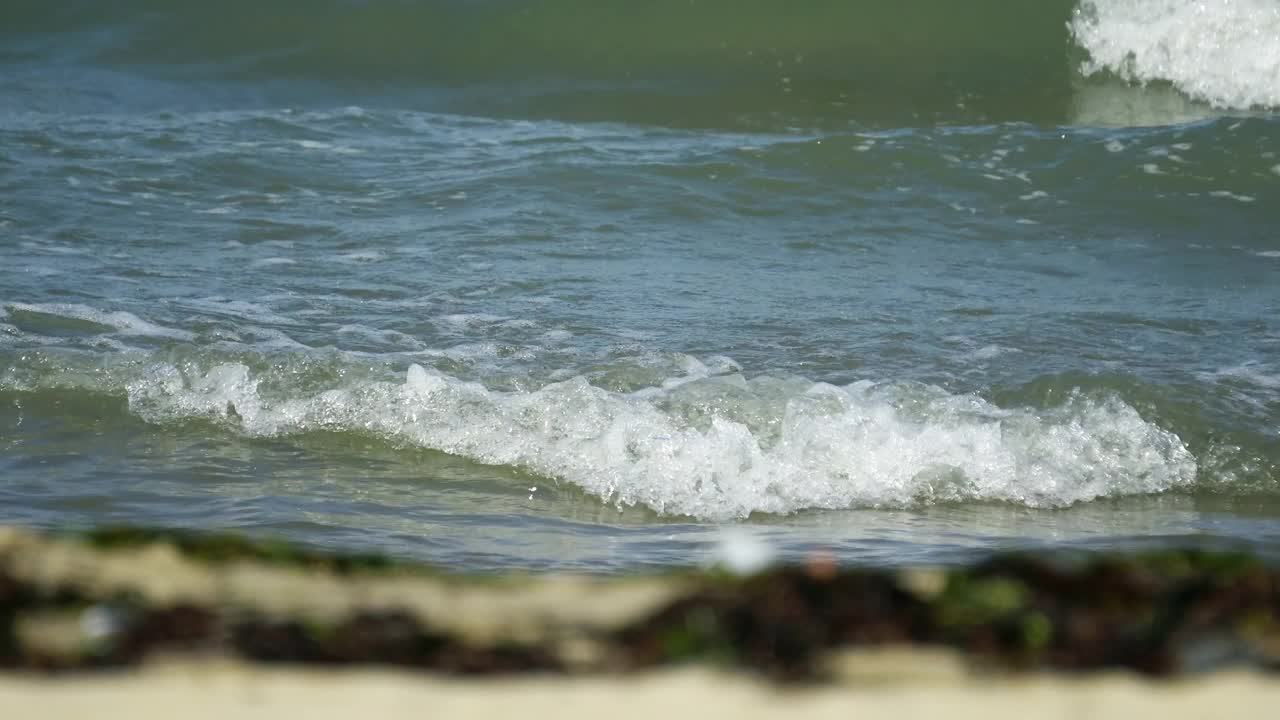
<point x="1225" y="53"/>
<point x="724" y="447"/>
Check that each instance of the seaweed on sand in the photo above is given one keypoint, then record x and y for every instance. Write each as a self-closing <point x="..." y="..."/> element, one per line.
<point x="1155" y="613"/>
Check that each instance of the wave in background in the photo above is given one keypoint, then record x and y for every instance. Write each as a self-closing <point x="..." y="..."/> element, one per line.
<point x="1226" y="54"/>
<point x="745" y="63"/>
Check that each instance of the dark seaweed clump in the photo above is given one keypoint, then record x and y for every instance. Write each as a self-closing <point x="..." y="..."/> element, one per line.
<point x="1158" y="613"/>
<point x="1155" y="613"/>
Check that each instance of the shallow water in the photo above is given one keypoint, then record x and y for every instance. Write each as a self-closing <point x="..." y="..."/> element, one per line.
<point x="568" y="284"/>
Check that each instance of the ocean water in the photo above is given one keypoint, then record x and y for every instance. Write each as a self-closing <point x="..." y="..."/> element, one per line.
<point x="604" y="285"/>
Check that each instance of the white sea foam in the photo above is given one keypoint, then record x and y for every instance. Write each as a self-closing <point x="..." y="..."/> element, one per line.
<point x="1253" y="373"/>
<point x="722" y="447"/>
<point x="267" y="338"/>
<point x="1225" y="52"/>
<point x="327" y="147"/>
<point x="258" y="312"/>
<point x="53" y="248"/>
<point x="1232" y="196"/>
<point x="381" y="336"/>
<point x="272" y="262"/>
<point x="466" y="321"/>
<point x="990" y="352"/>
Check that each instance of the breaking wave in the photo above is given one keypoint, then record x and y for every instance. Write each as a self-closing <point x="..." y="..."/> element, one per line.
<point x="1224" y="53"/>
<point x="719" y="446"/>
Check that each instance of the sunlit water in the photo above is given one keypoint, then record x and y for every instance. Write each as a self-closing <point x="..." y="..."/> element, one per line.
<point x="346" y="280"/>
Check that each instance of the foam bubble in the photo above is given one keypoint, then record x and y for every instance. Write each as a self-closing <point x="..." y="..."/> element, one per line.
<point x="723" y="447"/>
<point x="742" y="551"/>
<point x="1225" y="53"/>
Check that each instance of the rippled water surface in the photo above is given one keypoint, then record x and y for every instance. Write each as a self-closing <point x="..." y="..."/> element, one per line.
<point x="580" y="285"/>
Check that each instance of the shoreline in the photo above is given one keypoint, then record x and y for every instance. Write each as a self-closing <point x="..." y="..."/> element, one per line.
<point x="118" y="598"/>
<point x="136" y="624"/>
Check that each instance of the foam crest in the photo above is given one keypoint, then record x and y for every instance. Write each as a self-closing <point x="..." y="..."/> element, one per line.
<point x="723" y="447"/>
<point x="1225" y="53"/>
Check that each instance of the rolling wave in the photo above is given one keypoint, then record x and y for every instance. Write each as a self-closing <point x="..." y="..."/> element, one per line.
<point x="709" y="443"/>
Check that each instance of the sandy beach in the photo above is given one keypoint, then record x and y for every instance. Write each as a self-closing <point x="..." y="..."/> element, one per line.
<point x="138" y="624"/>
<point x="222" y="690"/>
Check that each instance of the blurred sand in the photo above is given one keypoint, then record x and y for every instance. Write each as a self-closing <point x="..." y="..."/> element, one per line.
<point x="231" y="690"/>
<point x="574" y="616"/>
